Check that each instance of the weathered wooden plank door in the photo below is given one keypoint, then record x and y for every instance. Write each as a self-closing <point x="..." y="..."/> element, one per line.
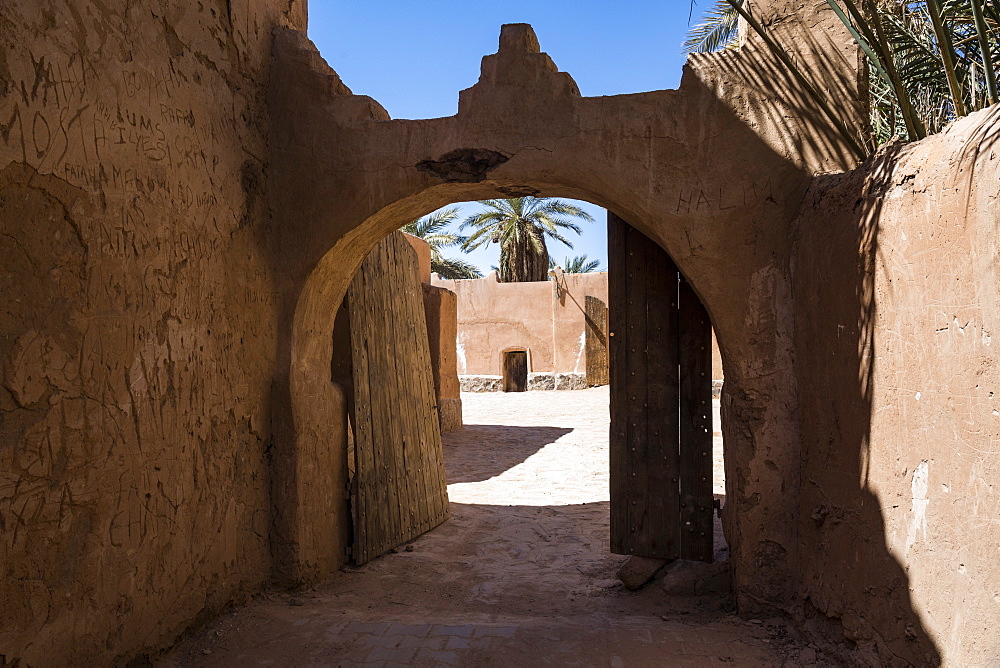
<point x="695" y="377"/>
<point x="399" y="489"/>
<point x="596" y="340"/>
<point x="661" y="384"/>
<point x="515" y="371"/>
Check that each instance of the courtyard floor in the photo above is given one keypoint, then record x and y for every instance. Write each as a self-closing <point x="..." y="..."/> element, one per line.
<point x="520" y="575"/>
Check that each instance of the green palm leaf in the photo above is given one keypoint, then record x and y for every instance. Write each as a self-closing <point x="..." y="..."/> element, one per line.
<point x="930" y="62"/>
<point x="431" y="228"/>
<point x="520" y="226"/>
<point x="718" y="30"/>
<point x="580" y="264"/>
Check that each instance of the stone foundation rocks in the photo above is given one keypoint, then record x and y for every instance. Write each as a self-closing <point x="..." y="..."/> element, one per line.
<point x="541" y="381"/>
<point x="571" y="381"/>
<point x="536" y="381"/>
<point x="637" y="571"/>
<point x="480" y="383"/>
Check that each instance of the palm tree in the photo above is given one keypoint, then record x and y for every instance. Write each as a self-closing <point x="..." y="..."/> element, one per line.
<point x="930" y="62"/>
<point x="719" y="29"/>
<point x="580" y="264"/>
<point x="520" y="226"/>
<point x="430" y="228"/>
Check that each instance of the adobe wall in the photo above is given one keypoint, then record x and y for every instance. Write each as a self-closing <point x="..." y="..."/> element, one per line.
<point x="494" y="317"/>
<point x="652" y="158"/>
<point x="441" y="308"/>
<point x="171" y="277"/>
<point x="897" y="286"/>
<point x="138" y="334"/>
<point x="423" y="251"/>
<point x="441" y="311"/>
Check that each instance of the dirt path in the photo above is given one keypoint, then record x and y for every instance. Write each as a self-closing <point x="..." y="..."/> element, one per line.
<point x="520" y="576"/>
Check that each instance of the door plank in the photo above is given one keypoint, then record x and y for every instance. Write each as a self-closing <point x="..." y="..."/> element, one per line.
<point x="659" y="346"/>
<point x="415" y="505"/>
<point x="695" y="426"/>
<point x="662" y="466"/>
<point x="596" y="340"/>
<point x="643" y="440"/>
<point x="400" y="489"/>
<point x="394" y="479"/>
<point x="638" y="454"/>
<point x="362" y="420"/>
<point x="619" y="387"/>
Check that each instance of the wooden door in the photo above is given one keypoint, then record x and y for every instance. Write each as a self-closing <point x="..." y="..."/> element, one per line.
<point x="596" y="340"/>
<point x="398" y="490"/>
<point x="695" y="378"/>
<point x="661" y="389"/>
<point x="515" y="371"/>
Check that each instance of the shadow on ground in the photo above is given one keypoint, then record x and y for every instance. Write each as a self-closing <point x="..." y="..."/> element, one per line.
<point x="494" y="448"/>
<point x="499" y="584"/>
<point x="494" y="586"/>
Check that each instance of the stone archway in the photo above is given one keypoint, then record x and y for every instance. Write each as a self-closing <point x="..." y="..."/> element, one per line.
<point x="525" y="129"/>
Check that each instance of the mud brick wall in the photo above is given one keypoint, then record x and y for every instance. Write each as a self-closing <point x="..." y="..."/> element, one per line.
<point x="137" y="336"/>
<point x="171" y="263"/>
<point x="897" y="307"/>
<point x="494" y="317"/>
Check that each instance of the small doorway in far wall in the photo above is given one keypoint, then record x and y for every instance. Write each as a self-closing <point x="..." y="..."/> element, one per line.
<point x="515" y="370"/>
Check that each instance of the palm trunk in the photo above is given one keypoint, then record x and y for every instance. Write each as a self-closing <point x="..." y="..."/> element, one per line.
<point x="522" y="262"/>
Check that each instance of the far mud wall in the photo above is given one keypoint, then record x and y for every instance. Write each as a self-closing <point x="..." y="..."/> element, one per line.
<point x="441" y="310"/>
<point x="137" y="340"/>
<point x="897" y="279"/>
<point x="494" y="317"/>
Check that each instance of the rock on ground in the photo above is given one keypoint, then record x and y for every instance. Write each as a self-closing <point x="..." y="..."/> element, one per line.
<point x="637" y="571"/>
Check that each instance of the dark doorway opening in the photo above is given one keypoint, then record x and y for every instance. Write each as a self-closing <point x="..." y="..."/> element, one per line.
<point x="515" y="371"/>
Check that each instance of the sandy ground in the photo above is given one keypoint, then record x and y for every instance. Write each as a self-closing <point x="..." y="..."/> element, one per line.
<point x="520" y="575"/>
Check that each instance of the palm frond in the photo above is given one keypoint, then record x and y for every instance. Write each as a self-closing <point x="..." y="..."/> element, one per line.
<point x="562" y="208"/>
<point x="452" y="268"/>
<point x="431" y="223"/>
<point x="718" y="30"/>
<point x="520" y="226"/>
<point x="561" y="239"/>
<point x="580" y="264"/>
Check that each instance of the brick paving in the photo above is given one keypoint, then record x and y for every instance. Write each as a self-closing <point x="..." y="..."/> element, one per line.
<point x="520" y="576"/>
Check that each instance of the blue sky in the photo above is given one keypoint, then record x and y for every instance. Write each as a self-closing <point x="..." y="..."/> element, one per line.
<point x="414" y="57"/>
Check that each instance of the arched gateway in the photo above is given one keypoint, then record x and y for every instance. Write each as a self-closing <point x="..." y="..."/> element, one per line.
<point x="181" y="214"/>
<point x="713" y="172"/>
